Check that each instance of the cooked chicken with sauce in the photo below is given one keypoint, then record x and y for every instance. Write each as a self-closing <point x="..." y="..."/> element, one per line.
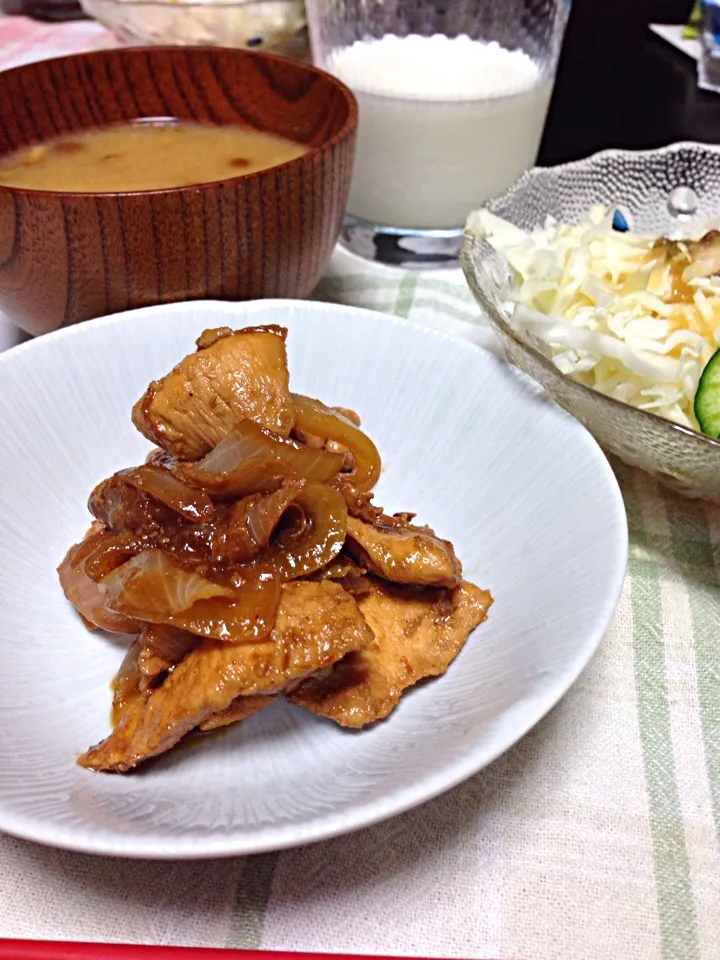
<point x="417" y="633"/>
<point x="317" y="624"/>
<point x="399" y="552"/>
<point x="229" y="379"/>
<point x="249" y="561"/>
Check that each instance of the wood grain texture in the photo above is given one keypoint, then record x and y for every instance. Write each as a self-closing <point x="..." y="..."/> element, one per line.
<point x="68" y="257"/>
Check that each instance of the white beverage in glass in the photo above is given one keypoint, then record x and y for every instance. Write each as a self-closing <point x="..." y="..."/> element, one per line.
<point x="446" y="123"/>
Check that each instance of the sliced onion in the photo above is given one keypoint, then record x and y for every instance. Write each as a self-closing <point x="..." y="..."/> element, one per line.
<point x="153" y="586"/>
<point x="85" y="595"/>
<point x="247" y="619"/>
<point x="246" y="529"/>
<point x="109" y="551"/>
<point x="314" y="417"/>
<point x="225" y="471"/>
<point x="292" y="527"/>
<point x="326" y="525"/>
<point x="265" y="515"/>
<point x="160" y="483"/>
<point x="348" y="414"/>
<point x="704" y="256"/>
<point x="256" y="475"/>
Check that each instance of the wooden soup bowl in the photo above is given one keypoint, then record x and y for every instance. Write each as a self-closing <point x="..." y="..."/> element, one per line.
<point x="67" y="257"/>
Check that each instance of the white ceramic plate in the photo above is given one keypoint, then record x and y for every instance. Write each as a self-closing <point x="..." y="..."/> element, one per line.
<point x="520" y="488"/>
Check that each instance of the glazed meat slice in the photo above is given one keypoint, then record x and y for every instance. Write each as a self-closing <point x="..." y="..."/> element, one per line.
<point x="240" y="709"/>
<point x="161" y="648"/>
<point x="157" y="649"/>
<point x="231" y="377"/>
<point x="121" y="508"/>
<point x="317" y="624"/>
<point x="403" y="553"/>
<point x="359" y="503"/>
<point x="148" y="499"/>
<point x="417" y="634"/>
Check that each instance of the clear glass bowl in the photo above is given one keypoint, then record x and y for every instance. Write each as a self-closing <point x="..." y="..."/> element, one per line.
<point x="277" y="26"/>
<point x="664" y="191"/>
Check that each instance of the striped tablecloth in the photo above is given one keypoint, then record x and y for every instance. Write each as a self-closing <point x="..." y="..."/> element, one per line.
<point x="595" y="838"/>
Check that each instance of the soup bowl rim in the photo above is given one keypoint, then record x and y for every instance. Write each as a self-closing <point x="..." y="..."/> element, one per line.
<point x="347" y="129"/>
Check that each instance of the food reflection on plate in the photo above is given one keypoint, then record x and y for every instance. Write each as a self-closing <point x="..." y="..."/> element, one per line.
<point x="247" y="557"/>
<point x="151" y="154"/>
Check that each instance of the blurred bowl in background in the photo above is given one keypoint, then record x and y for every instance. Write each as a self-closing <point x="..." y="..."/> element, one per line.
<point x="273" y="26"/>
<point x="664" y="192"/>
<point x="67" y="257"/>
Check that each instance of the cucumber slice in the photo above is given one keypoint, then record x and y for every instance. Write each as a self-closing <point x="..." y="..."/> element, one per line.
<point x="707" y="398"/>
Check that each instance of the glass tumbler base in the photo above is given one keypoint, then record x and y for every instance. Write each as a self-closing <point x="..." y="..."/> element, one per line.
<point x="402" y="246"/>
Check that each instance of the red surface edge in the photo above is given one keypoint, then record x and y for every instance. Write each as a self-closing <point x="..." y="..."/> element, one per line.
<point x="66" y="950"/>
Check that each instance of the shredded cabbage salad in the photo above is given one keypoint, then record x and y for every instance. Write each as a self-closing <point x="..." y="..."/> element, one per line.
<point x="635" y="317"/>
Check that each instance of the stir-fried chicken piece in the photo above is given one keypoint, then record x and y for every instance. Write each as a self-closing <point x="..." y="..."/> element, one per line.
<point x="157" y="649"/>
<point x="236" y="376"/>
<point x="149" y="500"/>
<point x="121" y="507"/>
<point x="417" y="634"/>
<point x="153" y="665"/>
<point x="358" y="502"/>
<point x="403" y="553"/>
<point x="317" y="624"/>
<point x="240" y="709"/>
<point x="347" y="573"/>
<point x="162" y="646"/>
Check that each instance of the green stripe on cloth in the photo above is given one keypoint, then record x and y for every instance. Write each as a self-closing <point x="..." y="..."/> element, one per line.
<point x="469" y="315"/>
<point x="334" y="291"/>
<point x="346" y="289"/>
<point x="252" y="895"/>
<point x="698" y="557"/>
<point x="405" y="295"/>
<point x="385" y="296"/>
<point x="675" y="904"/>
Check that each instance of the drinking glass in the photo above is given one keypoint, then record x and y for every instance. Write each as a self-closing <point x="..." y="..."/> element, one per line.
<point x="453" y="96"/>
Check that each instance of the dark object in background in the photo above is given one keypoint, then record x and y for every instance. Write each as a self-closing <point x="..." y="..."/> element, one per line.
<point x="618" y="85"/>
<point x="44" y="9"/>
<point x="670" y="11"/>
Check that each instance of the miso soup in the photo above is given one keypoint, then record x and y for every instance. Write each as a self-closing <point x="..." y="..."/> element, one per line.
<point x="144" y="156"/>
